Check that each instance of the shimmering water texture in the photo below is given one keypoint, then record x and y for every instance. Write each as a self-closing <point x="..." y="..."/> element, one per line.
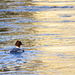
<point x="47" y="31"/>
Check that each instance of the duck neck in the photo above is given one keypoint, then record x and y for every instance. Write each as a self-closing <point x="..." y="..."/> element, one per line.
<point x="17" y="47"/>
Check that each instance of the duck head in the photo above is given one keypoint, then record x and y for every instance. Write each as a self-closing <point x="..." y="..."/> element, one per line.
<point x="18" y="44"/>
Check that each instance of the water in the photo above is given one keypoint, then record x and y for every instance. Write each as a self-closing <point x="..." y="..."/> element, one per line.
<point x="47" y="30"/>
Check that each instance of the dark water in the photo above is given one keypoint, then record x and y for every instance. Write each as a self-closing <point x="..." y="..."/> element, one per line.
<point x="47" y="30"/>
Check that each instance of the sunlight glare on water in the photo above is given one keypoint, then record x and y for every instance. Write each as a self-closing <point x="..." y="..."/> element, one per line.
<point x="47" y="30"/>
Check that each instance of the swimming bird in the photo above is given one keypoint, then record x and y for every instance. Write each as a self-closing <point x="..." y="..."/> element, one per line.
<point x="17" y="49"/>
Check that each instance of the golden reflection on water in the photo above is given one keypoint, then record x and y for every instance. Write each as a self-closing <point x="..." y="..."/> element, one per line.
<point x="58" y="62"/>
<point x="56" y="33"/>
<point x="53" y="16"/>
<point x="47" y="31"/>
<point x="50" y="28"/>
<point x="51" y="61"/>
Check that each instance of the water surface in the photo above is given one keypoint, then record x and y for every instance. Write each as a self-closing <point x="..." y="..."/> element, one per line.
<point x="47" y="30"/>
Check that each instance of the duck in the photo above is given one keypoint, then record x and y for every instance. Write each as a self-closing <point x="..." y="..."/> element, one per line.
<point x="17" y="49"/>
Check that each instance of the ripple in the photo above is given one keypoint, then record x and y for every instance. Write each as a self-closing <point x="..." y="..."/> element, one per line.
<point x="46" y="34"/>
<point x="7" y="38"/>
<point x="4" y="29"/>
<point x="65" y="38"/>
<point x="4" y="68"/>
<point x="63" y="21"/>
<point x="33" y="8"/>
<point x="66" y="15"/>
<point x="46" y="29"/>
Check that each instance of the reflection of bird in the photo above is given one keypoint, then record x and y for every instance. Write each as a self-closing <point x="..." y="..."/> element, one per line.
<point x="17" y="49"/>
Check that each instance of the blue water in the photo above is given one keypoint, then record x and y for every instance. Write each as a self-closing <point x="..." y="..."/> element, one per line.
<point x="40" y="25"/>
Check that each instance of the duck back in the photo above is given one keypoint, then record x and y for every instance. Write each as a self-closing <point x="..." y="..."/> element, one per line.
<point x="16" y="50"/>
